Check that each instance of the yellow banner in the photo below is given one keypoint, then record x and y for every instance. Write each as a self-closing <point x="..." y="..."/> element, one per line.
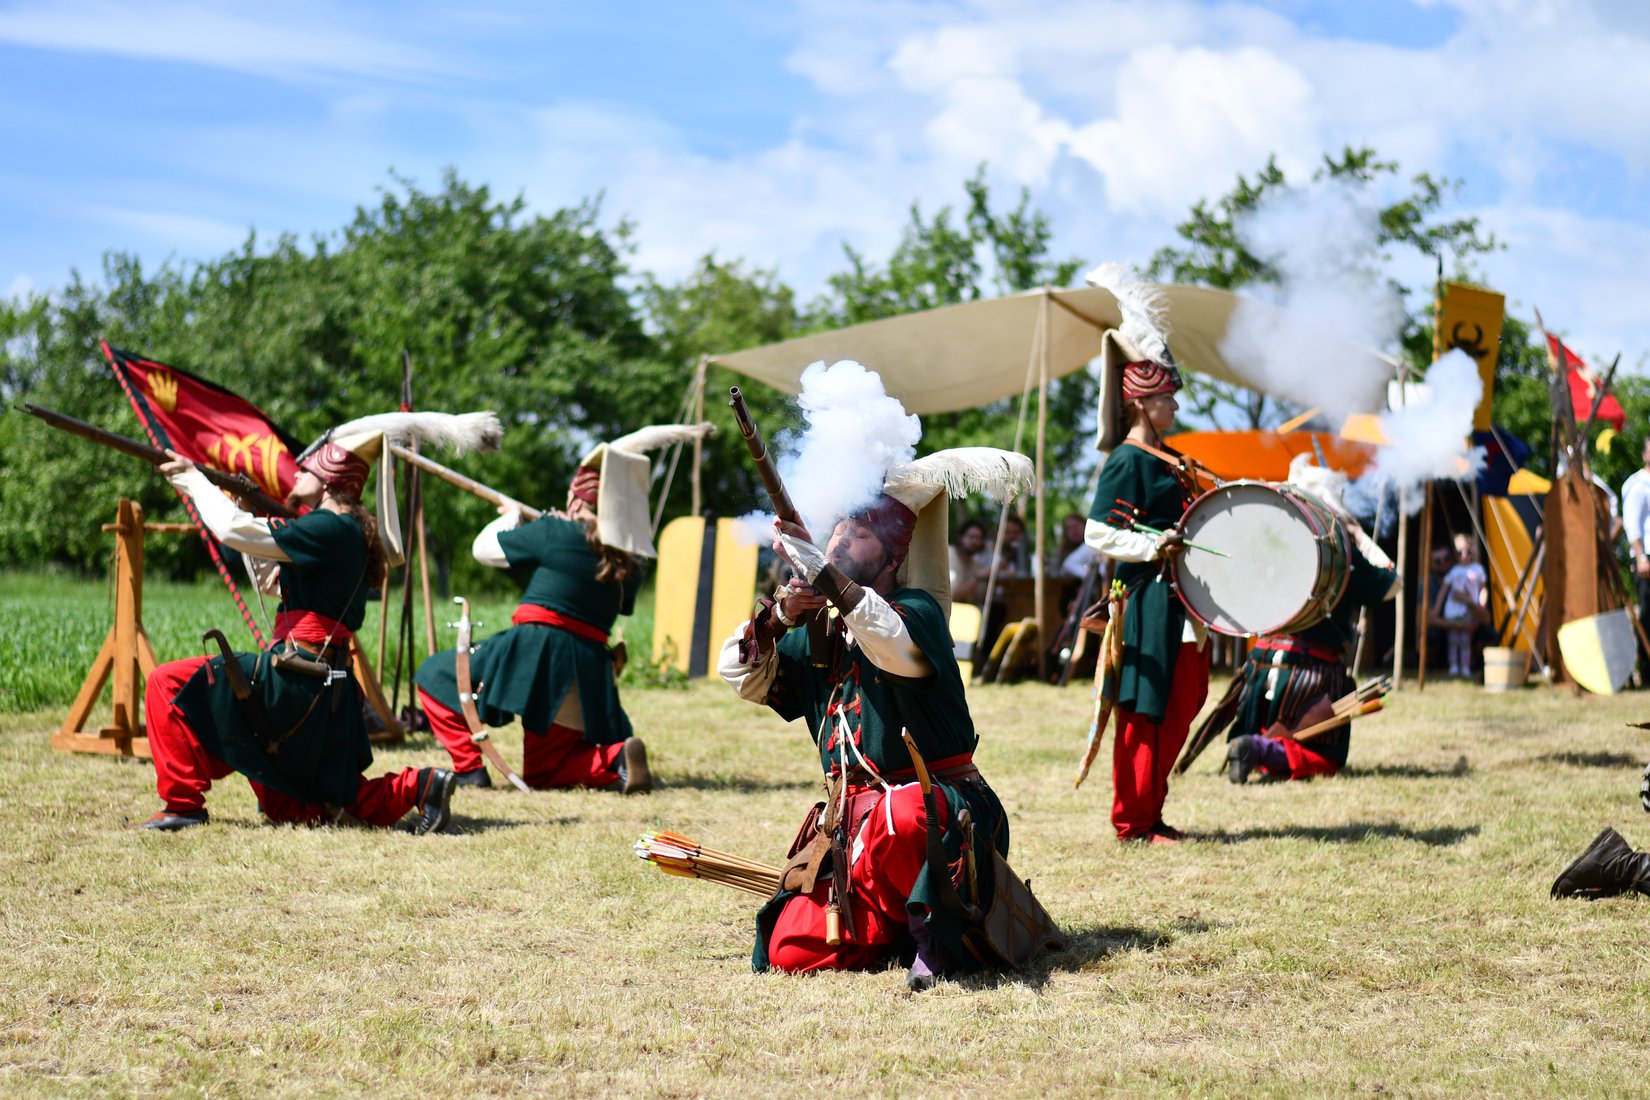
<point x="1469" y="318"/>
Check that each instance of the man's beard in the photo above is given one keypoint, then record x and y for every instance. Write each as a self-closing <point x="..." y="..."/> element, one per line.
<point x="861" y="573"/>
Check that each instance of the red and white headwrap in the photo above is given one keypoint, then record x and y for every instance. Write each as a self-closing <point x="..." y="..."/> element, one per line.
<point x="587" y="483"/>
<point x="1148" y="379"/>
<point x="342" y="472"/>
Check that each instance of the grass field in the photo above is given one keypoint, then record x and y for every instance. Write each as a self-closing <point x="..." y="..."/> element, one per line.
<point x="1387" y="931"/>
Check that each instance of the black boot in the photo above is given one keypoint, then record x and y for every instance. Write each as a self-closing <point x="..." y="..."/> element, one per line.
<point x="475" y="777"/>
<point x="435" y="797"/>
<point x="1241" y="758"/>
<point x="168" y="822"/>
<point x="1608" y="867"/>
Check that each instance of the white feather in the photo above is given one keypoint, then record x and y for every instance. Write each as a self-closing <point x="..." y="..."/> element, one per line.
<point x="1001" y="475"/>
<point x="1143" y="306"/>
<point x="461" y="432"/>
<point x="655" y="436"/>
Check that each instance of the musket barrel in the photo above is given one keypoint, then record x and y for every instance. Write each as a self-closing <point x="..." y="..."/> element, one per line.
<point x="781" y="500"/>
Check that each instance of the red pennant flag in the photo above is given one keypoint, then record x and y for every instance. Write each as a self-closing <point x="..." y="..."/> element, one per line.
<point x="1584" y="386"/>
<point x="210" y="426"/>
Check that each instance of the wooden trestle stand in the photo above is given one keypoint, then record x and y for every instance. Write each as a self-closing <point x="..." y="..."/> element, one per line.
<point x="128" y="657"/>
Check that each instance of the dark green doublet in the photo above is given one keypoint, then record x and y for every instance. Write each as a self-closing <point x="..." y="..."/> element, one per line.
<point x="321" y="762"/>
<point x="1302" y="678"/>
<point x="527" y="670"/>
<point x="1154" y="619"/>
<point x="877" y="707"/>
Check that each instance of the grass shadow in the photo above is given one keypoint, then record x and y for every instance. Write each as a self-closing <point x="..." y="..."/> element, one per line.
<point x="1589" y="759"/>
<point x="1084" y="948"/>
<point x="1458" y="770"/>
<point x="739" y="783"/>
<point x="1444" y="836"/>
<point x="461" y="825"/>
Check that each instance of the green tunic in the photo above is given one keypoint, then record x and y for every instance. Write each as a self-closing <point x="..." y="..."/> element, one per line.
<point x="877" y="706"/>
<point x="321" y="762"/>
<point x="527" y="670"/>
<point x="1301" y="677"/>
<point x="1139" y="489"/>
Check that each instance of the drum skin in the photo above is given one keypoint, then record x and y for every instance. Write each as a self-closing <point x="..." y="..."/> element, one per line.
<point x="1288" y="563"/>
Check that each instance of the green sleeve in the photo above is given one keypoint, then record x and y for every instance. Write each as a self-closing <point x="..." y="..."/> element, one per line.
<point x="524" y="546"/>
<point x="927" y="624"/>
<point x="632" y="587"/>
<point x="1369" y="583"/>
<point x="1122" y="478"/>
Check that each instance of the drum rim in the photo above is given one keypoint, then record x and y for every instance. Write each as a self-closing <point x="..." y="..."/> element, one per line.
<point x="1283" y="489"/>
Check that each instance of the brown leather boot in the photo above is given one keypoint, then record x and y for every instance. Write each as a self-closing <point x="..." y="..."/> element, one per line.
<point x="634" y="778"/>
<point x="1608" y="867"/>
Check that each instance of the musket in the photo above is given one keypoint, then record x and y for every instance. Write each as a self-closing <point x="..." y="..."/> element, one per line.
<point x="469" y="485"/>
<point x="239" y="484"/>
<point x="818" y="643"/>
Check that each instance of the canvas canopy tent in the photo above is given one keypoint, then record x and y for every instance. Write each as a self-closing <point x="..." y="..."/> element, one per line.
<point x="971" y="354"/>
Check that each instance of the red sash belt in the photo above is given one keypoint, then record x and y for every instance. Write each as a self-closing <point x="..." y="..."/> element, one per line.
<point x="951" y="767"/>
<point x="532" y="613"/>
<point x="310" y="629"/>
<point x="1287" y="644"/>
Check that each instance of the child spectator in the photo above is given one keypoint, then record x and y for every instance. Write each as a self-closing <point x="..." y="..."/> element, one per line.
<point x="1462" y="603"/>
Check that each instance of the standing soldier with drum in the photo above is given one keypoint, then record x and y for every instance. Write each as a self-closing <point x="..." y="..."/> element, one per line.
<point x="1143" y="490"/>
<point x="1289" y="675"/>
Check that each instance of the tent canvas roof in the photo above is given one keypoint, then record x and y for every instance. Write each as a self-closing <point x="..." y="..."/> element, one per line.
<point x="967" y="355"/>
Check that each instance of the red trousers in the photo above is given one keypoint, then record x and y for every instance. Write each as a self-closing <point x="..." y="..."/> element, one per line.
<point x="883" y="868"/>
<point x="184" y="770"/>
<point x="1144" y="751"/>
<point x="553" y="759"/>
<point x="1303" y="762"/>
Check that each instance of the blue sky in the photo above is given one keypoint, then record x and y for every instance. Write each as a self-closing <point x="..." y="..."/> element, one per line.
<point x="776" y="132"/>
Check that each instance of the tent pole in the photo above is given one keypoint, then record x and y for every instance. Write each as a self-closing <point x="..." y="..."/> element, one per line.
<point x="1039" y="566"/>
<point x="698" y="416"/>
<point x="1401" y="620"/>
<point x="1424" y="553"/>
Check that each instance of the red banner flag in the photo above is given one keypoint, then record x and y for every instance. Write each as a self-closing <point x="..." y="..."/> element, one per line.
<point x="206" y="423"/>
<point x="1584" y="386"/>
<point x="210" y="426"/>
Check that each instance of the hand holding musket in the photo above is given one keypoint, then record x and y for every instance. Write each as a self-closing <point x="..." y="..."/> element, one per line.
<point x="237" y="484"/>
<point x="784" y="511"/>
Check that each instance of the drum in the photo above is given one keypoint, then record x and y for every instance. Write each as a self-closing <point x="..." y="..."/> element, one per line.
<point x="1287" y="564"/>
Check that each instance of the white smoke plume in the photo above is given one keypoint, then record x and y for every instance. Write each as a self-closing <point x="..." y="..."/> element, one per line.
<point x="1322" y="241"/>
<point x="835" y="467"/>
<point x="1429" y="440"/>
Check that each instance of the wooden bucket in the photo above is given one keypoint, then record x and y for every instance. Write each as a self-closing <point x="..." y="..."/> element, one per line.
<point x="1505" y="669"/>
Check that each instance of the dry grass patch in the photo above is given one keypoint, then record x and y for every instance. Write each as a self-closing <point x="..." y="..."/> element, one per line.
<point x="1385" y="931"/>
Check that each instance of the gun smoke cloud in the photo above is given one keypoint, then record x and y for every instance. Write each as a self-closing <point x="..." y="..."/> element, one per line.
<point x="1323" y="241"/>
<point x="854" y="432"/>
<point x="1427" y="440"/>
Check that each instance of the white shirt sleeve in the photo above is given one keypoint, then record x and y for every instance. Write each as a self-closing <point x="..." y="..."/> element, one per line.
<point x="265" y="574"/>
<point x="1118" y="544"/>
<point x="881" y="632"/>
<point x="485" y="549"/>
<point x="1635" y="501"/>
<point x="752" y="682"/>
<point x="228" y="522"/>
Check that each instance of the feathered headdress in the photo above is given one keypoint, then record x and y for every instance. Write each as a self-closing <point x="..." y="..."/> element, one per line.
<point x="625" y="474"/>
<point x="343" y="457"/>
<point x="924" y="487"/>
<point x="1135" y="355"/>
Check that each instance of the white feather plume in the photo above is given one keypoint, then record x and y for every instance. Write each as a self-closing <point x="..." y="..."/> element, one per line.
<point x="460" y="432"/>
<point x="1144" y="308"/>
<point x="1001" y="475"/>
<point x="655" y="436"/>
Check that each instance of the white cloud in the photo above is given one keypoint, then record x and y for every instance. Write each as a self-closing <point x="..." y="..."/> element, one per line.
<point x="189" y="235"/>
<point x="20" y="287"/>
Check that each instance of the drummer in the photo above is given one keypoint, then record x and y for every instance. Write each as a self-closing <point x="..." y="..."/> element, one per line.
<point x="1289" y="675"/>
<point x="1164" y="676"/>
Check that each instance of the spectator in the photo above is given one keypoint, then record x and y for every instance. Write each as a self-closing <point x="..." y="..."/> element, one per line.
<point x="970" y="562"/>
<point x="1635" y="506"/>
<point x="1071" y="560"/>
<point x="1462" y="604"/>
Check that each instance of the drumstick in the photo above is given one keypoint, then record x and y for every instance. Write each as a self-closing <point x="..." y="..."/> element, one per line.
<point x="1193" y="545"/>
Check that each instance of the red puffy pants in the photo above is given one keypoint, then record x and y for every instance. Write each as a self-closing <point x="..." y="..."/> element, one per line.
<point x="883" y="867"/>
<point x="184" y="770"/>
<point x="553" y="759"/>
<point x="1303" y="762"/>
<point x="1144" y="751"/>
